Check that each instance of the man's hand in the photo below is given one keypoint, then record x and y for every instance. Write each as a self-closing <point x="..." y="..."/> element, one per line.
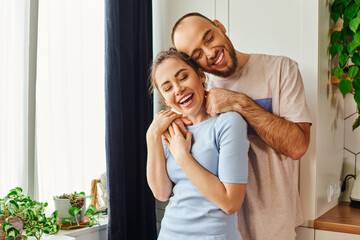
<point x="181" y="122"/>
<point x="220" y="100"/>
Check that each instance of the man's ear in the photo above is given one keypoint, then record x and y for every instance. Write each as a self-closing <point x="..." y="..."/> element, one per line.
<point x="220" y="26"/>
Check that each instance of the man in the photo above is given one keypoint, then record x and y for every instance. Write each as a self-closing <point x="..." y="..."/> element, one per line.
<point x="268" y="92"/>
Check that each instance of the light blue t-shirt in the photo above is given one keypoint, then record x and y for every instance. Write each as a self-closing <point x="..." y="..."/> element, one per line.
<point x="220" y="145"/>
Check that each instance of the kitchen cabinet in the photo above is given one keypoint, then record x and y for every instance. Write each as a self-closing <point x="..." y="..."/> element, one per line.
<point x="329" y="235"/>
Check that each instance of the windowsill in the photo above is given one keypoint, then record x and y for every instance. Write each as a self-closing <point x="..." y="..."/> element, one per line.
<point x="76" y="233"/>
<point x="341" y="218"/>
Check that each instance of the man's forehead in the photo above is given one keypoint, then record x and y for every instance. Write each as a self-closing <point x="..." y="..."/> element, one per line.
<point x="190" y="32"/>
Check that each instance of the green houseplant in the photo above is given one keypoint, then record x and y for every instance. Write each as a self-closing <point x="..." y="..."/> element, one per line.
<point x="31" y="215"/>
<point x="72" y="210"/>
<point x="345" y="45"/>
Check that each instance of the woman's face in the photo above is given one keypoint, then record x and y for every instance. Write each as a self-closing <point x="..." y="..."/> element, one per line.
<point x="180" y="86"/>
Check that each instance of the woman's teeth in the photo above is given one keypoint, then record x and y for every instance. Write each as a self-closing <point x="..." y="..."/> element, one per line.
<point x="185" y="98"/>
<point x="220" y="57"/>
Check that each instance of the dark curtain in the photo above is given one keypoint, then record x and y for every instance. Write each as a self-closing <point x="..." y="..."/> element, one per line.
<point x="128" y="50"/>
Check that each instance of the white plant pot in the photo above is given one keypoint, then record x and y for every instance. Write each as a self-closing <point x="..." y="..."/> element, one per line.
<point x="63" y="206"/>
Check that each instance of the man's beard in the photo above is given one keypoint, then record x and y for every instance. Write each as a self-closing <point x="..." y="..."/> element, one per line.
<point x="231" y="69"/>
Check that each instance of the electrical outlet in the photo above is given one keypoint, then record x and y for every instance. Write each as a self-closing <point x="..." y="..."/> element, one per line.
<point x="333" y="191"/>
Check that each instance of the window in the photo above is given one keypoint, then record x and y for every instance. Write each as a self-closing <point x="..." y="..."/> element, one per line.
<point x="14" y="16"/>
<point x="70" y="107"/>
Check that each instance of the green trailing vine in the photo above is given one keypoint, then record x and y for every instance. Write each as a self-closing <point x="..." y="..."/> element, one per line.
<point x="345" y="44"/>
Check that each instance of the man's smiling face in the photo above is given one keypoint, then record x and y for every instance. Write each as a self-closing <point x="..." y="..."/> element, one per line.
<point x="207" y="44"/>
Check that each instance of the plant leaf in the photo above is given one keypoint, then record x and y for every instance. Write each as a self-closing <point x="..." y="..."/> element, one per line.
<point x="357" y="2"/>
<point x="73" y="211"/>
<point x="335" y="36"/>
<point x="356" y="59"/>
<point x="338" y="7"/>
<point x="356" y="124"/>
<point x="335" y="16"/>
<point x="350" y="12"/>
<point x="354" y="24"/>
<point x="13" y="233"/>
<point x="14" y="203"/>
<point x="6" y="226"/>
<point x="338" y="72"/>
<point x="353" y="71"/>
<point x="66" y="221"/>
<point x="356" y="84"/>
<point x="352" y="46"/>
<point x="333" y="50"/>
<point x="345" y="86"/>
<point x="91" y="211"/>
<point x="357" y="37"/>
<point x="357" y="97"/>
<point x="343" y="58"/>
<point x="54" y="214"/>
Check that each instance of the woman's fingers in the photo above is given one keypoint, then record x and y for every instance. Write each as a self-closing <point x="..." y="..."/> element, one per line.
<point x="175" y="128"/>
<point x="171" y="130"/>
<point x="166" y="135"/>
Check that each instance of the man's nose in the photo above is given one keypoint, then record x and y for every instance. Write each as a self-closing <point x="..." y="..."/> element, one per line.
<point x="210" y="53"/>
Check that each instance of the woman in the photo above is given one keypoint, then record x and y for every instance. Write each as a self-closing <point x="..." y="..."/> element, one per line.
<point x="203" y="173"/>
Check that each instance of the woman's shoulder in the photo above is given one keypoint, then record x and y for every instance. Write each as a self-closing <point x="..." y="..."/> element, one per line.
<point x="230" y="117"/>
<point x="230" y="121"/>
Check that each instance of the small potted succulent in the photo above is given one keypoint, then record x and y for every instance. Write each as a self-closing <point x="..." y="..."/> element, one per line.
<point x="19" y="213"/>
<point x="72" y="211"/>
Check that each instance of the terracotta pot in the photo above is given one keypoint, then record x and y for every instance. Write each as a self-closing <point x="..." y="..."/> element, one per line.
<point x="16" y="222"/>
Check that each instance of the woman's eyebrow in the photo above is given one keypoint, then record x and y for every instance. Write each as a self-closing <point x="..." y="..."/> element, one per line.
<point x="166" y="82"/>
<point x="178" y="72"/>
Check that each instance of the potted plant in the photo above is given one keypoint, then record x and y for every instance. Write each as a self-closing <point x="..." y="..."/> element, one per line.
<point x="20" y="213"/>
<point x="72" y="210"/>
<point x="344" y="44"/>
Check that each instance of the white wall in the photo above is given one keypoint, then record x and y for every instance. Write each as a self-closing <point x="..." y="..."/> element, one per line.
<point x="330" y="127"/>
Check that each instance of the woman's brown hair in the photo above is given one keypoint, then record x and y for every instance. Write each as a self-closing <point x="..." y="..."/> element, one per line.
<point x="170" y="53"/>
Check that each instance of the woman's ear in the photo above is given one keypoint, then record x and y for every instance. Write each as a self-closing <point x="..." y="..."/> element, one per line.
<point x="220" y="26"/>
<point x="164" y="103"/>
<point x="202" y="75"/>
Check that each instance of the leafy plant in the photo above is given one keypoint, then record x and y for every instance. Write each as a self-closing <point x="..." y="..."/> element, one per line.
<point x="76" y="199"/>
<point x="345" y="44"/>
<point x="31" y="213"/>
<point x="77" y="202"/>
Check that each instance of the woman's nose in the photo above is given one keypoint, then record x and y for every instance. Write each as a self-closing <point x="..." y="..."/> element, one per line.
<point x="179" y="89"/>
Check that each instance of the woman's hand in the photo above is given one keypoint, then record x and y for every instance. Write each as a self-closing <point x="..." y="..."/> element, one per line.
<point x="161" y="122"/>
<point x="176" y="142"/>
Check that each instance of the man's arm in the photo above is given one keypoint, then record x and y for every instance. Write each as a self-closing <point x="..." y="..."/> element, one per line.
<point x="288" y="138"/>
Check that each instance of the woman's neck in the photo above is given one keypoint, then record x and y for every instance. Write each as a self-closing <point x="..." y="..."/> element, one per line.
<point x="200" y="116"/>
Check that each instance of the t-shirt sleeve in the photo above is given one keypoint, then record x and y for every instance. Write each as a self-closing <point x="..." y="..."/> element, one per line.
<point x="166" y="149"/>
<point x="293" y="105"/>
<point x="233" y="145"/>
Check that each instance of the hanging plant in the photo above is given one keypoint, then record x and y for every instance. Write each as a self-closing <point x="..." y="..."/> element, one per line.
<point x="345" y="44"/>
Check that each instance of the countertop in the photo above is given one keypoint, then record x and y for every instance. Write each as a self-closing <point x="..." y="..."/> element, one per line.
<point x="341" y="218"/>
